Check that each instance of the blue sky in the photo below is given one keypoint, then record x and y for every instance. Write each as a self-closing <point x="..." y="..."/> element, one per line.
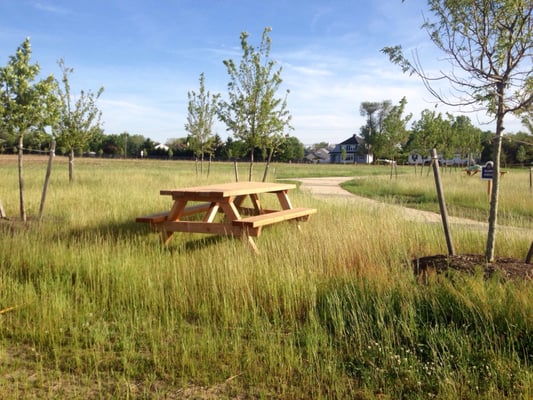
<point x="149" y="54"/>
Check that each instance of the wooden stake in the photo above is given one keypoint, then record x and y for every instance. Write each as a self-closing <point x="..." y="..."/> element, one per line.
<point x="2" y="211"/>
<point x="47" y="177"/>
<point x="442" y="203"/>
<point x="529" y="254"/>
<point x="531" y="180"/>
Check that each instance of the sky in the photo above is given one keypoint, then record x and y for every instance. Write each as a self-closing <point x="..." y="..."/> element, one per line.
<point x="149" y="54"/>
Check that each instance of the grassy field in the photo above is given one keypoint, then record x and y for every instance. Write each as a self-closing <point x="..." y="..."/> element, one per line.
<point x="466" y="196"/>
<point x="92" y="306"/>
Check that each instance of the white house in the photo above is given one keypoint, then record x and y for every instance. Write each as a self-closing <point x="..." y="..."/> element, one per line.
<point x="161" y="146"/>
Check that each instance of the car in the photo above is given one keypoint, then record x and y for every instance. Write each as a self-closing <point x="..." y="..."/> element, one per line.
<point x="384" y="161"/>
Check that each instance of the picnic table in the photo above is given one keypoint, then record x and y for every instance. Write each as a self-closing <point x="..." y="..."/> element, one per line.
<point x="225" y="209"/>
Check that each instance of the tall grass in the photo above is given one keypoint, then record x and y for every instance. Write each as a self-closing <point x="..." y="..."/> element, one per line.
<point x="102" y="310"/>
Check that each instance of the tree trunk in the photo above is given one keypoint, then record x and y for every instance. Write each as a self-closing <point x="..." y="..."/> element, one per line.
<point x="236" y="170"/>
<point x="21" y="178"/>
<point x="267" y="166"/>
<point x="493" y="212"/>
<point x="251" y="165"/>
<point x="47" y="177"/>
<point x="71" y="166"/>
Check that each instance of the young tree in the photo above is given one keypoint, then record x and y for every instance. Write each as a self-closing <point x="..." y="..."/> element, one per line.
<point x="428" y="133"/>
<point x="27" y="107"/>
<point x="375" y="112"/>
<point x="202" y="110"/>
<point x="394" y="133"/>
<point x="254" y="113"/>
<point x="469" y="138"/>
<point x="491" y="42"/>
<point x="79" y="120"/>
<point x="272" y="144"/>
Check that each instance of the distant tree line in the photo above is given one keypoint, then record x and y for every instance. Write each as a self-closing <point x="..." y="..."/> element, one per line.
<point x="387" y="137"/>
<point x="125" y="145"/>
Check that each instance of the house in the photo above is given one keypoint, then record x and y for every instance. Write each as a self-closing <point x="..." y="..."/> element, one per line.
<point x="318" y="156"/>
<point x="352" y="150"/>
<point x="161" y="146"/>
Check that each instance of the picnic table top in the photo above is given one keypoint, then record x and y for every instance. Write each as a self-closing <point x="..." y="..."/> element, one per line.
<point x="230" y="189"/>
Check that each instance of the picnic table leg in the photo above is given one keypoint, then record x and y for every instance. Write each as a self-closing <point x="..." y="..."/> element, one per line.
<point x="211" y="213"/>
<point x="230" y="210"/>
<point x="248" y="240"/>
<point x="256" y="202"/>
<point x="283" y="198"/>
<point x="239" y="200"/>
<point x="166" y="236"/>
<point x="174" y="215"/>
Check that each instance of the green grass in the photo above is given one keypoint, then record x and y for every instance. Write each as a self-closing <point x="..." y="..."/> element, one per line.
<point x="102" y="310"/>
<point x="466" y="196"/>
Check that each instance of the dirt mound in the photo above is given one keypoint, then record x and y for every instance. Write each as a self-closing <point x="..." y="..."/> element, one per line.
<point x="509" y="268"/>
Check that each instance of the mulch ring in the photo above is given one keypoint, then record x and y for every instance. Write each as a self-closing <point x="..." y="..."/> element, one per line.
<point x="508" y="268"/>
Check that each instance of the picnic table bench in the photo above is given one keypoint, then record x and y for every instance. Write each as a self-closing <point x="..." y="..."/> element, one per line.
<point x="228" y="200"/>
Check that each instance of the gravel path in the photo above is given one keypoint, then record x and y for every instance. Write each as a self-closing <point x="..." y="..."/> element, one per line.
<point x="330" y="187"/>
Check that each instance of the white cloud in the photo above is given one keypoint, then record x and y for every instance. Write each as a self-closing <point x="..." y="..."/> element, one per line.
<point x="54" y="9"/>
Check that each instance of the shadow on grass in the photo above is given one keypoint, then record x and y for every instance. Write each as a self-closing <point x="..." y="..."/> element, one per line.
<point x="118" y="232"/>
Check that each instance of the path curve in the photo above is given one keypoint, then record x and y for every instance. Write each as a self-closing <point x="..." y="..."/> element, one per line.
<point x="330" y="187"/>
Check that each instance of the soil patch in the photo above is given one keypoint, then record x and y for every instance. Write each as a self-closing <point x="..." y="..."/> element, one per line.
<point x="508" y="268"/>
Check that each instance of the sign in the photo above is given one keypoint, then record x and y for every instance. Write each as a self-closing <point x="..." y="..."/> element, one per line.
<point x="487" y="171"/>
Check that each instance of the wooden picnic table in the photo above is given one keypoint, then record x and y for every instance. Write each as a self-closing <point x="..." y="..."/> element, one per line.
<point x="224" y="210"/>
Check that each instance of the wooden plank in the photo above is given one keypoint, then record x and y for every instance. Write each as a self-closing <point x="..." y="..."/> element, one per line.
<point x="227" y="189"/>
<point x="257" y="221"/>
<point x="199" y="227"/>
<point x="162" y="216"/>
<point x="249" y="211"/>
<point x="196" y="209"/>
<point x="153" y="218"/>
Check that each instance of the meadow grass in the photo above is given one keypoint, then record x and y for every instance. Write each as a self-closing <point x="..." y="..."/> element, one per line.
<point x="466" y="196"/>
<point x="92" y="306"/>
